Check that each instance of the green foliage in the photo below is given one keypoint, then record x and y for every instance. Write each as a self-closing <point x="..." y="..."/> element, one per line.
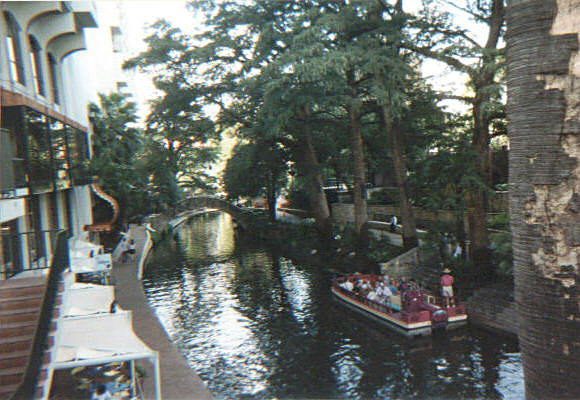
<point x="118" y="157"/>
<point x="298" y="195"/>
<point x="252" y="168"/>
<point x="385" y="196"/>
<point x="501" y="245"/>
<point x="182" y="138"/>
<point x="284" y="74"/>
<point x="380" y="249"/>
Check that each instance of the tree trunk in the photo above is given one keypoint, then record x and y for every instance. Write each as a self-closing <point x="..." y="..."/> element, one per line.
<point x="271" y="196"/>
<point x="544" y="129"/>
<point x="400" y="169"/>
<point x="308" y="163"/>
<point x="483" y="80"/>
<point x="359" y="180"/>
<point x="476" y="197"/>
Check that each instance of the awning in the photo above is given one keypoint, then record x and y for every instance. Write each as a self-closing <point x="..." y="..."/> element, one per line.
<point x="82" y="248"/>
<point x="87" y="299"/>
<point x="101" y="339"/>
<point x="99" y="263"/>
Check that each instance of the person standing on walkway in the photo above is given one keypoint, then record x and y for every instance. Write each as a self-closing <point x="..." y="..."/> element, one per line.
<point x="394" y="222"/>
<point x="124" y="250"/>
<point x="447" y="286"/>
<point x="132" y="250"/>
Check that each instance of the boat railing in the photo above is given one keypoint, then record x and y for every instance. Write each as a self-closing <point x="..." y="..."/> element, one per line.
<point x="423" y="295"/>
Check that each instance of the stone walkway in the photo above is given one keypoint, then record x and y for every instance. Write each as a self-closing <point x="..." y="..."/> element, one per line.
<point x="178" y="381"/>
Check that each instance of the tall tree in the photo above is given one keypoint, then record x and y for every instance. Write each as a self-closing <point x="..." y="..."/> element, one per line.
<point x="181" y="135"/>
<point x="544" y="129"/>
<point x="392" y="78"/>
<point x="482" y="62"/>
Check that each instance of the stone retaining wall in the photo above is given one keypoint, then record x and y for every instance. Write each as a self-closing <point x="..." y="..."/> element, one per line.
<point x="494" y="308"/>
<point x="345" y="213"/>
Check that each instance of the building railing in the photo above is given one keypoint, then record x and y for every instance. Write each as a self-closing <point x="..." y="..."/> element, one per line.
<point x="60" y="262"/>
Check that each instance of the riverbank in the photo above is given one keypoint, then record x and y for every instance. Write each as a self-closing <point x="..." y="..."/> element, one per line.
<point x="178" y="381"/>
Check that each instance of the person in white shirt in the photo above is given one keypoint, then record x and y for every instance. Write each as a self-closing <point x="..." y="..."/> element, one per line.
<point x="348" y="285"/>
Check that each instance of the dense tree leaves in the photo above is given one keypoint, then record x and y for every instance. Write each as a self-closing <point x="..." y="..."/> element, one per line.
<point x="118" y="153"/>
<point x="257" y="169"/>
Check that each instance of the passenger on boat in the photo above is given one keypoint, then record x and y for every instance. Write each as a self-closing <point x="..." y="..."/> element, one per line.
<point x="413" y="285"/>
<point x="403" y="284"/>
<point x="385" y="294"/>
<point x="393" y="287"/>
<point x="348" y="285"/>
<point x="447" y="286"/>
<point x="357" y="287"/>
<point x="372" y="295"/>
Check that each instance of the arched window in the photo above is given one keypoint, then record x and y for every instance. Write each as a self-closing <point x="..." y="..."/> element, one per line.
<point x="36" y="64"/>
<point x="14" y="50"/>
<point x="53" y="74"/>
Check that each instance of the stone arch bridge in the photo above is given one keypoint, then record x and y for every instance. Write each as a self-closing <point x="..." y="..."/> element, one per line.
<point x="241" y="215"/>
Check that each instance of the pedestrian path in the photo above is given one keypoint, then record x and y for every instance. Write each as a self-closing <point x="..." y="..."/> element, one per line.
<point x="178" y="381"/>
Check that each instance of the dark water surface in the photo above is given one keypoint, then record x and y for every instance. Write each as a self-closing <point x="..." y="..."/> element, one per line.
<point x="254" y="325"/>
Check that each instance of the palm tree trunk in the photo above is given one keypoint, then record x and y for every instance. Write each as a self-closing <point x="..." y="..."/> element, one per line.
<point x="544" y="129"/>
<point x="400" y="169"/>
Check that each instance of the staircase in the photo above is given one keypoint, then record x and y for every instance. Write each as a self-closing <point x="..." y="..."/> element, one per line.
<point x="20" y="303"/>
<point x="104" y="226"/>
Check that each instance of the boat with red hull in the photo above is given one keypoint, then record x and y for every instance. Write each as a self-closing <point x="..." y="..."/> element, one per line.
<point x="411" y="312"/>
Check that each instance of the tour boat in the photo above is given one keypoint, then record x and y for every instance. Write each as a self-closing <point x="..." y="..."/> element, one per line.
<point x="411" y="312"/>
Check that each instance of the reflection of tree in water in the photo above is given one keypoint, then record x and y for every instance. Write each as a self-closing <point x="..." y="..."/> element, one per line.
<point x="208" y="238"/>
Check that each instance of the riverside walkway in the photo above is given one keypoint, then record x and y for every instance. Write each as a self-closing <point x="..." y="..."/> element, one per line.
<point x="178" y="381"/>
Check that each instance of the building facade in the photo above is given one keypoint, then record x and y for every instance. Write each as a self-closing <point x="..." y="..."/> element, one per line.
<point x="44" y="144"/>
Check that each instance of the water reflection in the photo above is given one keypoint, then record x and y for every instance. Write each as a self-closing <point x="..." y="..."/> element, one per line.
<point x="254" y="325"/>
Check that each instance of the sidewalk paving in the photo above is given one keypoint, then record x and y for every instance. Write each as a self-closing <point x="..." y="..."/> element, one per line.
<point x="178" y="381"/>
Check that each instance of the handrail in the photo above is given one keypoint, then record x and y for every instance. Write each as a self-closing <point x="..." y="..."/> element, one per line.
<point x="146" y="248"/>
<point x="60" y="262"/>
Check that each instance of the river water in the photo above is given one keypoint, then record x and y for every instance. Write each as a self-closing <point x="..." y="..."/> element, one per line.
<point x="253" y="325"/>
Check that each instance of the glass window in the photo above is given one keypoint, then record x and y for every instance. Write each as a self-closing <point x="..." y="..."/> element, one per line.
<point x="36" y="65"/>
<point x="14" y="49"/>
<point x="39" y="159"/>
<point x="53" y="72"/>
<point x="12" y="154"/>
<point x="78" y="154"/>
<point x="10" y="256"/>
<point x="59" y="151"/>
<point x="35" y="238"/>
